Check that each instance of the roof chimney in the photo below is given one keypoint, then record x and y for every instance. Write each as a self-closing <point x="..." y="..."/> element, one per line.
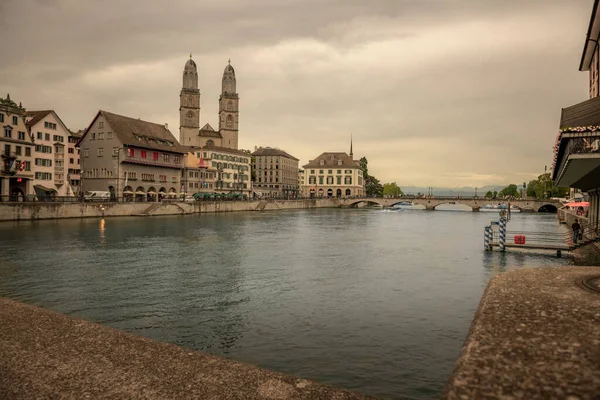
<point x="166" y="126"/>
<point x="255" y="148"/>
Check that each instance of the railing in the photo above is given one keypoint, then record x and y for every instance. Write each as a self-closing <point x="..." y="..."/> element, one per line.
<point x="577" y="144"/>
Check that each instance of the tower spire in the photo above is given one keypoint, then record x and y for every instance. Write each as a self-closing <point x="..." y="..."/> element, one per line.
<point x="351" y="145"/>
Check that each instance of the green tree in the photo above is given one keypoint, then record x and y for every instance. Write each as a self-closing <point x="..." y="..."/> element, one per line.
<point x="489" y="194"/>
<point x="510" y="190"/>
<point x="392" y="190"/>
<point x="543" y="187"/>
<point x="373" y="188"/>
<point x="495" y="194"/>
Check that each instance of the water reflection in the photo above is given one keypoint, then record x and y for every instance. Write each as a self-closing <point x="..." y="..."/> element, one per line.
<point x="299" y="292"/>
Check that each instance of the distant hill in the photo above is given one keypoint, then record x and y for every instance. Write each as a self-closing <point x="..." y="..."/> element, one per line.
<point x="460" y="191"/>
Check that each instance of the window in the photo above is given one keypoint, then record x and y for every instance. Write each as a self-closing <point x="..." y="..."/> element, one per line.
<point x="71" y="150"/>
<point x="27" y="164"/>
<point x="348" y="180"/>
<point x="47" y="136"/>
<point x="143" y="153"/>
<point x="115" y="151"/>
<point x="71" y="160"/>
<point x="49" y="125"/>
<point x="8" y="132"/>
<point x="166" y="157"/>
<point x="339" y="180"/>
<point x="100" y="151"/>
<point x="18" y="150"/>
<point x="229" y="122"/>
<point x="100" y="124"/>
<point x="109" y="135"/>
<point x="93" y="135"/>
<point x="15" y="121"/>
<point x="40" y="135"/>
<point x="100" y="135"/>
<point x="312" y="171"/>
<point x="1" y="117"/>
<point x="330" y="171"/>
<point x="6" y="148"/>
<point x="330" y="180"/>
<point x="86" y="153"/>
<point x="155" y="156"/>
<point x="339" y="171"/>
<point x="177" y="159"/>
<point x="21" y="135"/>
<point x="320" y="180"/>
<point x="27" y="151"/>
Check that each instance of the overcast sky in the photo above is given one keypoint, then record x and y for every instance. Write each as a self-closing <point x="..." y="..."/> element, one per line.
<point x="435" y="92"/>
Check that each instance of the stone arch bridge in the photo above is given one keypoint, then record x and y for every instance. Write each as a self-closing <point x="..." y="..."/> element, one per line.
<point x="430" y="203"/>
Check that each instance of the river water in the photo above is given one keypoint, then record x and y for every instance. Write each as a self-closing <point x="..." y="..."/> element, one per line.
<point x="368" y="300"/>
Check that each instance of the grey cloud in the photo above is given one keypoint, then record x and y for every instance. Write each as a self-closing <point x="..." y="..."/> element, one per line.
<point x="471" y="87"/>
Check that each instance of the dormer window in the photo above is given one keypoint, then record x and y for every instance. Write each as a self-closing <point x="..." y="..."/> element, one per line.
<point x="339" y="162"/>
<point x="322" y="162"/>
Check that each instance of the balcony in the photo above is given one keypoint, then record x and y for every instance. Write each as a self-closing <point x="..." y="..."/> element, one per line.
<point x="577" y="160"/>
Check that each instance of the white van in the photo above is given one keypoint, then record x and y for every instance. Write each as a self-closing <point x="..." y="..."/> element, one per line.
<point x="96" y="195"/>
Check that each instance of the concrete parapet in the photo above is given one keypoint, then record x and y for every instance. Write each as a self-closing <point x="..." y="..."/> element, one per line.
<point x="46" y="355"/>
<point x="536" y="335"/>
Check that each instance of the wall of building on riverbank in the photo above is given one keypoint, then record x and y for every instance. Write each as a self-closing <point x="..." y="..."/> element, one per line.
<point x="36" y="211"/>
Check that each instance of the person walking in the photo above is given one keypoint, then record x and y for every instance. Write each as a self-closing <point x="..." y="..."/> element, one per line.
<point x="576" y="228"/>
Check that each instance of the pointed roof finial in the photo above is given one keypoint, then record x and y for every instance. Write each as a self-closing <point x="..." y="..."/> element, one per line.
<point x="190" y="56"/>
<point x="351" y="145"/>
<point x="229" y="61"/>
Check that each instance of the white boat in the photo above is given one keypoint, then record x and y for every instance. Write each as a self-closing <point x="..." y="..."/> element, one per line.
<point x="498" y="208"/>
<point x="407" y="205"/>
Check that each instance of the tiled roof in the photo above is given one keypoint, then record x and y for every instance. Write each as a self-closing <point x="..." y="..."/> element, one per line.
<point x="586" y="113"/>
<point x="330" y="159"/>
<point x="36" y="116"/>
<point x="269" y="151"/>
<point x="135" y="132"/>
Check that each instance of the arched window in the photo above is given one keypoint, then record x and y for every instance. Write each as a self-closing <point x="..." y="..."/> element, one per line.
<point x="348" y="192"/>
<point x="230" y="105"/>
<point x="339" y="193"/>
<point x="229" y="121"/>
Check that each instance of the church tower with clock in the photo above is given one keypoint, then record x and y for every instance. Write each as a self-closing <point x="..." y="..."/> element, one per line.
<point x="228" y="109"/>
<point x="189" y="105"/>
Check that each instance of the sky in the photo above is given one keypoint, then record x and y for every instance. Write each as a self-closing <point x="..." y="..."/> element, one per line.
<point x="434" y="92"/>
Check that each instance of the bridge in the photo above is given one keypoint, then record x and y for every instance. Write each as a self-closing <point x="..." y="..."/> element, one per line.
<point x="430" y="203"/>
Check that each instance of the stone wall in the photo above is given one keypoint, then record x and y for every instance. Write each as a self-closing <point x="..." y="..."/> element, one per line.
<point x="35" y="211"/>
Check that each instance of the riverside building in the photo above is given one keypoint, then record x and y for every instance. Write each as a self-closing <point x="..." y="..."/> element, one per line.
<point x="333" y="175"/>
<point x="56" y="160"/>
<point x="16" y="169"/>
<point x="276" y="173"/>
<point x="576" y="161"/>
<point x="130" y="158"/>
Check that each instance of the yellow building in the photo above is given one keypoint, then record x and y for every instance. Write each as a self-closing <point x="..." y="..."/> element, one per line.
<point x="333" y="175"/>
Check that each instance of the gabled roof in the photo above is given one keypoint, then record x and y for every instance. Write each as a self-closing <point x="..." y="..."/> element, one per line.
<point x="269" y="151"/>
<point x="37" y="116"/>
<point x="208" y="131"/>
<point x="586" y="113"/>
<point x="330" y="160"/>
<point x="192" y="149"/>
<point x="138" y="133"/>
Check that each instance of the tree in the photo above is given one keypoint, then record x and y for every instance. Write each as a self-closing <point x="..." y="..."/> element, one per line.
<point x="373" y="188"/>
<point x="543" y="187"/>
<point x="392" y="190"/>
<point x="510" y="190"/>
<point x="495" y="194"/>
<point x="489" y="194"/>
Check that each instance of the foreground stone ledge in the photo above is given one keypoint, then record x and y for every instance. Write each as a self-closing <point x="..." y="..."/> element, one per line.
<point x="44" y="355"/>
<point x="536" y="335"/>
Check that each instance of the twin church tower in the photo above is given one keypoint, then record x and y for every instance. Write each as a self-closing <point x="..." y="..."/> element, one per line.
<point x="190" y="133"/>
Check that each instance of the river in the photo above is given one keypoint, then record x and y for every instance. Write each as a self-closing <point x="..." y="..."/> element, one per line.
<point x="372" y="301"/>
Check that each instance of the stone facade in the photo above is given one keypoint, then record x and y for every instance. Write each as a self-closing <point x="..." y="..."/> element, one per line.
<point x="232" y="168"/>
<point x="190" y="133"/>
<point x="17" y="148"/>
<point x="197" y="176"/>
<point x="333" y="175"/>
<point x="130" y="158"/>
<point x="54" y="156"/>
<point x="276" y="173"/>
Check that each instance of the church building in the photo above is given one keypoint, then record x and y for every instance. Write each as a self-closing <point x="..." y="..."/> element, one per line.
<point x="190" y="133"/>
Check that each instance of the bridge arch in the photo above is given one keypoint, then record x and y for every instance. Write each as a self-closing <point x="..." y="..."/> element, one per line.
<point x="548" y="208"/>
<point x="451" y="203"/>
<point x="367" y="202"/>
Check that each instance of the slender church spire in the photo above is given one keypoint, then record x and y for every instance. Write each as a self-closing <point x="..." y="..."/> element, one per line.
<point x="351" y="145"/>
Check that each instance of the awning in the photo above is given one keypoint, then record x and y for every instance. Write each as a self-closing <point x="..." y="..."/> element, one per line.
<point x="44" y="188"/>
<point x="152" y="192"/>
<point x="578" y="204"/>
<point x="162" y="191"/>
<point x="127" y="192"/>
<point x="140" y="192"/>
